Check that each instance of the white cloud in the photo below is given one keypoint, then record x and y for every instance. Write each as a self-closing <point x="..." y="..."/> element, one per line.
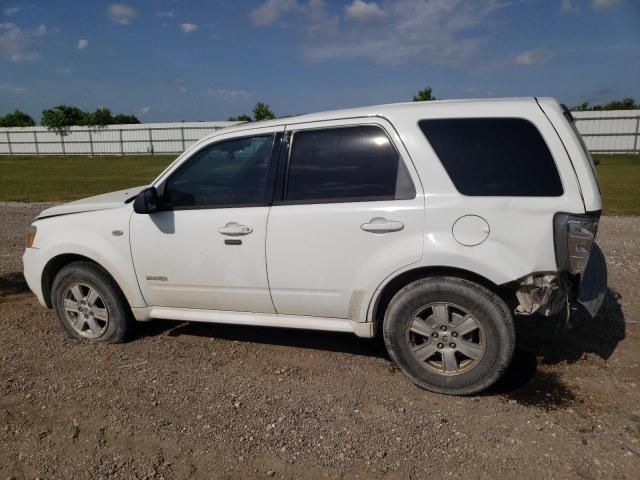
<point x="167" y="14"/>
<point x="569" y="6"/>
<point x="13" y="89"/>
<point x="40" y="31"/>
<point x="180" y="84"/>
<point x="83" y="43"/>
<point x="62" y="70"/>
<point x="188" y="27"/>
<point x="364" y="12"/>
<point x="17" y="44"/>
<point x="121" y="13"/>
<point x="144" y="111"/>
<point x="11" y="11"/>
<point x="271" y="11"/>
<point x="531" y="57"/>
<point x="602" y="4"/>
<point x="431" y="31"/>
<point x="223" y="92"/>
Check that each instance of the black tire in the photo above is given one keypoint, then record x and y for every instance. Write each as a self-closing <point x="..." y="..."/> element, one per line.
<point x="494" y="334"/>
<point x="87" y="275"/>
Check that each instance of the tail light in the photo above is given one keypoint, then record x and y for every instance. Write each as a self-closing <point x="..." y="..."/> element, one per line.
<point x="574" y="237"/>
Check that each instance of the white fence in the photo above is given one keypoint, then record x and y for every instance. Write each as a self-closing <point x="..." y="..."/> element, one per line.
<point x="148" y="138"/>
<point x="614" y="131"/>
<point x="610" y="131"/>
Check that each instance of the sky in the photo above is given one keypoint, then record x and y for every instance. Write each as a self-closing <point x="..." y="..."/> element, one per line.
<point x="192" y="60"/>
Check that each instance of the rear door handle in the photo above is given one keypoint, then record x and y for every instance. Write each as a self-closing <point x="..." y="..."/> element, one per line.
<point x="382" y="225"/>
<point x="234" y="229"/>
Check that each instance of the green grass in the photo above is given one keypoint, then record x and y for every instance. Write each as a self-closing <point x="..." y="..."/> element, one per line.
<point x="59" y="178"/>
<point x="620" y="183"/>
<point x="50" y="179"/>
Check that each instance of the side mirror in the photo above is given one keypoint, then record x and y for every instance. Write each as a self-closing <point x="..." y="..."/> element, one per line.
<point x="147" y="201"/>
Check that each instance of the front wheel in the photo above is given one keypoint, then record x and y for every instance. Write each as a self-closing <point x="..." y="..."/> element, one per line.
<point x="89" y="304"/>
<point x="449" y="335"/>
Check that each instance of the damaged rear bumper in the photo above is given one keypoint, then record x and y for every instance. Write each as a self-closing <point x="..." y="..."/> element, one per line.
<point x="549" y="293"/>
<point x="593" y="284"/>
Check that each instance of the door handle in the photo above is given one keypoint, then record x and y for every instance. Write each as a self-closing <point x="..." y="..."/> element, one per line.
<point x="234" y="229"/>
<point x="382" y="225"/>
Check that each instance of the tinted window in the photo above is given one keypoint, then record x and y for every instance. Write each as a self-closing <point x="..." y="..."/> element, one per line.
<point x="346" y="164"/>
<point x="232" y="173"/>
<point x="494" y="156"/>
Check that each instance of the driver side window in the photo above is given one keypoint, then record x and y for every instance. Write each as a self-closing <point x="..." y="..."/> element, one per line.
<point x="227" y="174"/>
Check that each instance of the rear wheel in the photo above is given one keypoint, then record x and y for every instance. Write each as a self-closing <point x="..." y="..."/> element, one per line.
<point x="449" y="335"/>
<point x="89" y="304"/>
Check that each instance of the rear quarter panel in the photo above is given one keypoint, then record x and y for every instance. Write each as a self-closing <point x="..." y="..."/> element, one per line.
<point x="521" y="228"/>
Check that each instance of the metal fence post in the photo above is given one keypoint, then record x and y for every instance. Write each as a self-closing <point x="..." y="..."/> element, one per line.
<point x="9" y="142"/>
<point x="150" y="142"/>
<point x="121" y="144"/>
<point x="182" y="137"/>
<point x="91" y="142"/>
<point x="635" y="142"/>
<point x="64" y="150"/>
<point x="35" y="142"/>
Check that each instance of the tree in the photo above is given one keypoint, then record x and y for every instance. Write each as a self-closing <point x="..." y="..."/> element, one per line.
<point x="61" y="118"/>
<point x="17" y="119"/>
<point x="122" y="119"/>
<point x="583" y="107"/>
<point x="241" y="118"/>
<point x="261" y="111"/>
<point x="100" y="118"/>
<point x="424" y="95"/>
<point x="624" y="104"/>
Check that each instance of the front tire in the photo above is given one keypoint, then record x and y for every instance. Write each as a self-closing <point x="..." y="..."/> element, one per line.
<point x="449" y="335"/>
<point x="89" y="304"/>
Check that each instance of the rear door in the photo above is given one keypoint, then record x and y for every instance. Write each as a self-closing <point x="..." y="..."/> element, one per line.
<point x="349" y="214"/>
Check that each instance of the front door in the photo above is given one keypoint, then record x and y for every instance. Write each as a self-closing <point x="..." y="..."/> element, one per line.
<point x="205" y="249"/>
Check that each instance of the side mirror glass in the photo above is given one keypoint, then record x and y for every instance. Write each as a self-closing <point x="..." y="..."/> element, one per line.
<point x="147" y="201"/>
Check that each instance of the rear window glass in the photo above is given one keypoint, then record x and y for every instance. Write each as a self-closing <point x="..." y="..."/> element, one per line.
<point x="494" y="156"/>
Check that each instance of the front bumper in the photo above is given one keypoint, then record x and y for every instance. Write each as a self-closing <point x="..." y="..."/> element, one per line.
<point x="32" y="267"/>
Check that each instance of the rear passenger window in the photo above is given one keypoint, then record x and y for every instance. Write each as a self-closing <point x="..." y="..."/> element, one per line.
<point x="346" y="164"/>
<point x="494" y="156"/>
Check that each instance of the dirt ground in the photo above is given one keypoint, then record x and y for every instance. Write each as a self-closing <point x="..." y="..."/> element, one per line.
<point x="211" y="401"/>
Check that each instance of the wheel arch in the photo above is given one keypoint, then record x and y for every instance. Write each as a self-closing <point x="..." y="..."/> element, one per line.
<point x="57" y="263"/>
<point x="394" y="285"/>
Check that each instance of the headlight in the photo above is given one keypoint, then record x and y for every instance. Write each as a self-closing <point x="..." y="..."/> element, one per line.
<point x="31" y="236"/>
<point x="574" y="236"/>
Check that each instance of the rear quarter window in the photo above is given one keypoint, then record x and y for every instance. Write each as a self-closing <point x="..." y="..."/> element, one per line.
<point x="494" y="156"/>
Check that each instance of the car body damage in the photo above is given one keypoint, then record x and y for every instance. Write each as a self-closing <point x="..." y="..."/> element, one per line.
<point x="548" y="294"/>
<point x="541" y="293"/>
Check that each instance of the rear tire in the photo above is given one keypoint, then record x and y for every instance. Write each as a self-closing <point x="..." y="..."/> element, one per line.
<point x="449" y="335"/>
<point x="89" y="304"/>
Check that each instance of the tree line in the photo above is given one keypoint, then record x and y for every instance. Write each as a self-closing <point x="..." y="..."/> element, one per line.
<point x="62" y="117"/>
<point x="624" y="104"/>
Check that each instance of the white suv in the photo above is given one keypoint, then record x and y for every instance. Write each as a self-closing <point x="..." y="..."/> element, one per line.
<point x="432" y="223"/>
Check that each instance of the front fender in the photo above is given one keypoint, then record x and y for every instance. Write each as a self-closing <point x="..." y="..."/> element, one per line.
<point x="102" y="237"/>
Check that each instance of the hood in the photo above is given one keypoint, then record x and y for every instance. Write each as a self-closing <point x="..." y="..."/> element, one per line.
<point x="105" y="201"/>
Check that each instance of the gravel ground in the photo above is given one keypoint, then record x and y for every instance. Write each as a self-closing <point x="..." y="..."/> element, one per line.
<point x="212" y="401"/>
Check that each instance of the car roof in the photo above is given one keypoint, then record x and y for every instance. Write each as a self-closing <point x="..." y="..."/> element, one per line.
<point x="371" y="111"/>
